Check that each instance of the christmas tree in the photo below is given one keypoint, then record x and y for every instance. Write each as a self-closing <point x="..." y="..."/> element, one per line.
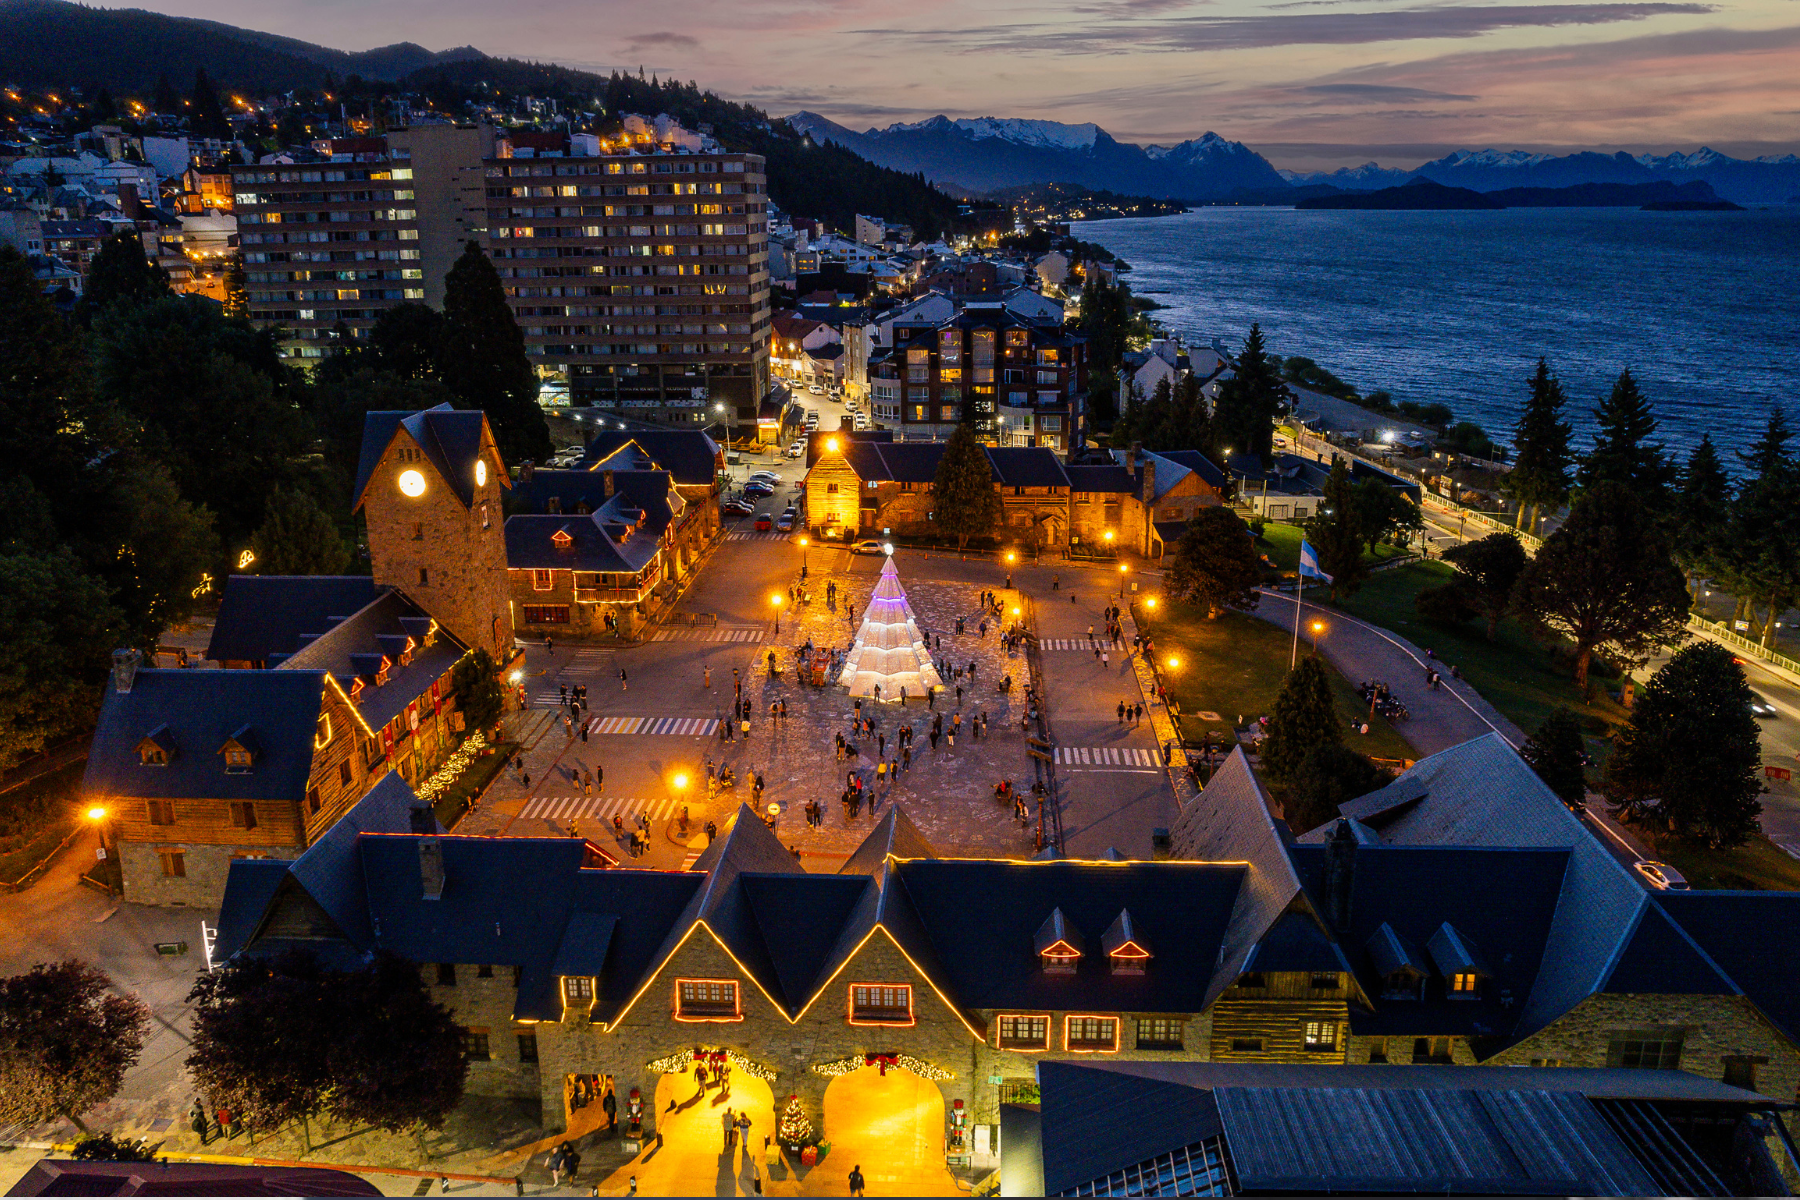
<point x="889" y="653"/>
<point x="793" y="1128"/>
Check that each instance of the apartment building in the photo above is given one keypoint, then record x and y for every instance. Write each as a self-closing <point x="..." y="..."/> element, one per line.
<point x="373" y="222"/>
<point x="639" y="272"/>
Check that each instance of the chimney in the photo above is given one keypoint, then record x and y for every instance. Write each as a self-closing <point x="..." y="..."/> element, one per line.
<point x="525" y="469"/>
<point x="608" y="477"/>
<point x="553" y="505"/>
<point x="431" y="869"/>
<point x="1131" y="456"/>
<point x="125" y="668"/>
<point x="423" y="822"/>
<point x="1149" y="484"/>
<point x="1340" y="874"/>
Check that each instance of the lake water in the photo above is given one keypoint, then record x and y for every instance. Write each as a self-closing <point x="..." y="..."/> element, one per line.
<point x="1458" y="306"/>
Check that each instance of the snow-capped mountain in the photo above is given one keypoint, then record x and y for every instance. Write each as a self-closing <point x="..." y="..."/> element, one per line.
<point x="1369" y="177"/>
<point x="1772" y="179"/>
<point x="986" y="153"/>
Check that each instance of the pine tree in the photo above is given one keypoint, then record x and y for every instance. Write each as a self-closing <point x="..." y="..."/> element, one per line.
<point x="207" y="116"/>
<point x="298" y="537"/>
<point x="1487" y="570"/>
<point x="794" y="1128"/>
<point x="1243" y="420"/>
<point x="1305" y="716"/>
<point x="167" y="100"/>
<point x="237" y="299"/>
<point x="477" y="691"/>
<point x="1336" y="533"/>
<point x="1330" y="774"/>
<point x="1539" y="478"/>
<point x="1702" y="508"/>
<point x="1760" y="551"/>
<point x="1604" y="580"/>
<point x="482" y="358"/>
<point x="1557" y="753"/>
<point x="963" y="500"/>
<point x="1622" y="451"/>
<point x="1215" y="563"/>
<point x="1690" y="757"/>
<point x="121" y="273"/>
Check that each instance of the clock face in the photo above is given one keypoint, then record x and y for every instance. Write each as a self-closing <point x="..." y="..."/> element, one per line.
<point x="481" y="472"/>
<point x="412" y="483"/>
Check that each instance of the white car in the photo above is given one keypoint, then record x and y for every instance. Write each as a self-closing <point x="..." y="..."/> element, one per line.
<point x="1661" y="876"/>
<point x="798" y="449"/>
<point x="862" y="422"/>
<point x="815" y="389"/>
<point x="849" y="406"/>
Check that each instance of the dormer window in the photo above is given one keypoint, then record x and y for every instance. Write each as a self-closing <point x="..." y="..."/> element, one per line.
<point x="356" y="691"/>
<point x="240" y="751"/>
<point x="237" y="760"/>
<point x="1458" y="961"/>
<point x="406" y="655"/>
<point x="381" y="672"/>
<point x="562" y="539"/>
<point x="322" y="732"/>
<point x="1059" y="944"/>
<point x="1401" y="965"/>
<point x="157" y="747"/>
<point x="1463" y="982"/>
<point x="1127" y="950"/>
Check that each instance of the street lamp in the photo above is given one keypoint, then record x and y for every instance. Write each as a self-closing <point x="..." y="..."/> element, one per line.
<point x="97" y="815"/>
<point x="1173" y="663"/>
<point x="1318" y="632"/>
<point x="803" y="544"/>
<point x="1123" y="571"/>
<point x="776" y="601"/>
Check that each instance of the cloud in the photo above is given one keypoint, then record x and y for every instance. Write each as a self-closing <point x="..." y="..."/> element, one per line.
<point x="1295" y="29"/>
<point x="662" y="41"/>
<point x="1377" y="93"/>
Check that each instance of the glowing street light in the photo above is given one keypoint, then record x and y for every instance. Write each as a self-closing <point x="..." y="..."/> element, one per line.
<point x="804" y="543"/>
<point x="1123" y="571"/>
<point x="97" y="815"/>
<point x="1318" y="632"/>
<point x="1173" y="663"/>
<point x="776" y="600"/>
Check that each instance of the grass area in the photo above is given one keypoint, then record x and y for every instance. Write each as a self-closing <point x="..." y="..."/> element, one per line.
<point x="1234" y="666"/>
<point x="455" y="799"/>
<point x="1760" y="865"/>
<point x="36" y="817"/>
<point x="1514" y="672"/>
<point x="1280" y="545"/>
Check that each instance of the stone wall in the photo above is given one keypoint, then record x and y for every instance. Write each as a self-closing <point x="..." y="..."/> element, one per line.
<point x="487" y="1003"/>
<point x="206" y="866"/>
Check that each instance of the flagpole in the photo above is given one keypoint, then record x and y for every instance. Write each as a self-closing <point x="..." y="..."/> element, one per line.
<point x="1299" y="586"/>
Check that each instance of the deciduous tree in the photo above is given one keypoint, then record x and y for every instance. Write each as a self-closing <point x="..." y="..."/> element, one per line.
<point x="1336" y="534"/>
<point x="66" y="1041"/>
<point x="263" y="1035"/>
<point x="120" y="273"/>
<point x="1539" y="478"/>
<point x="1305" y="717"/>
<point x="1559" y="756"/>
<point x="1604" y="580"/>
<point x="1487" y="570"/>
<point x="1688" y="760"/>
<point x="1215" y="562"/>
<point x="1386" y="513"/>
<point x="963" y="500"/>
<point x="482" y="358"/>
<point x="397" y="1062"/>
<point x="477" y="691"/>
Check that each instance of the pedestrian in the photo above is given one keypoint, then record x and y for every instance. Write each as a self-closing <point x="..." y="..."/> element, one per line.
<point x="1105" y="660"/>
<point x="549" y="648"/>
<point x="959" y="695"/>
<point x="1137" y="714"/>
<point x="1056" y="583"/>
<point x="609" y="1104"/>
<point x="706" y="679"/>
<point x="856" y="1180"/>
<point x="197" y="1119"/>
<point x="624" y="683"/>
<point x="1121" y="712"/>
<point x="584" y="784"/>
<point x="563" y="689"/>
<point x="906" y="757"/>
<point x="731" y="1129"/>
<point x="931" y="699"/>
<point x="584" y="731"/>
<point x="881" y="745"/>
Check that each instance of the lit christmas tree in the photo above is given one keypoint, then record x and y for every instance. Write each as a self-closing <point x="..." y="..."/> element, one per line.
<point x="889" y="653"/>
<point x="793" y="1128"/>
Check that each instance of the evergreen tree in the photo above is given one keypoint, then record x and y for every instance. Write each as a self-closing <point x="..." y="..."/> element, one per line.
<point x="482" y="358"/>
<point x="477" y="690"/>
<point x="121" y="273"/>
<point x="1622" y="451"/>
<point x="1305" y="717"/>
<point x="1105" y="321"/>
<point x="963" y="499"/>
<point x="237" y="298"/>
<point x="1760" y="551"/>
<point x="1689" y="760"/>
<point x="1336" y="533"/>
<point x="66" y="1041"/>
<point x="58" y="629"/>
<point x="1386" y="513"/>
<point x="298" y="537"/>
<point x="1329" y="775"/>
<point x="1558" y="755"/>
<point x="167" y="100"/>
<point x="1604" y="580"/>
<point x="794" y="1127"/>
<point x="1539" y="478"/>
<point x="1702" y="509"/>
<point x="206" y="117"/>
<point x="1215" y="563"/>
<point x="1243" y="420"/>
<point x="1487" y="570"/>
<point x="405" y="341"/>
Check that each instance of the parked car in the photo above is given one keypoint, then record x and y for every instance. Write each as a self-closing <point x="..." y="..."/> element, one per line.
<point x="861" y="422"/>
<point x="759" y="488"/>
<point x="868" y="547"/>
<point x="770" y="476"/>
<point x="798" y="449"/>
<point x="1662" y="876"/>
<point x="785" y="522"/>
<point x="815" y="389"/>
<point x="849" y="406"/>
<point x="764" y="522"/>
<point x="737" y="508"/>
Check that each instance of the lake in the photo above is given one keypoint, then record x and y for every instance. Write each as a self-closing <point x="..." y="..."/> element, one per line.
<point x="1458" y="306"/>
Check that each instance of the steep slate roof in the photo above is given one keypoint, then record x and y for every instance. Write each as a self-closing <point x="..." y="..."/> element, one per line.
<point x="1100" y="479"/>
<point x="1196" y="462"/>
<point x="262" y="616"/>
<point x="1027" y="466"/>
<point x="894" y="835"/>
<point x="1230" y="822"/>
<point x="353" y="648"/>
<point x="1754" y="938"/>
<point x="1481" y="793"/>
<point x="1660" y="958"/>
<point x="917" y="462"/>
<point x="451" y="439"/>
<point x="644" y="485"/>
<point x="644" y="502"/>
<point x="200" y="709"/>
<point x="331" y="870"/>
<point x="691" y="456"/>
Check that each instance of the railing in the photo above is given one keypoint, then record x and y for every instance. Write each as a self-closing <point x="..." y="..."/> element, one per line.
<point x="1737" y="641"/>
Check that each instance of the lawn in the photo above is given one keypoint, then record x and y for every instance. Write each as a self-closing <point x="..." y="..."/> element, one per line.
<point x="1281" y="546"/>
<point x="1760" y="865"/>
<point x="35" y="817"/>
<point x="453" y="802"/>
<point x="1234" y="666"/>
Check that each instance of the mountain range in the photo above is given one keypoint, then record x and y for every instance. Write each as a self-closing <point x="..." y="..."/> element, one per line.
<point x="988" y="153"/>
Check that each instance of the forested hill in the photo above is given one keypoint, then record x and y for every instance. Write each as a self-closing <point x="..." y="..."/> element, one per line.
<point x="53" y="43"/>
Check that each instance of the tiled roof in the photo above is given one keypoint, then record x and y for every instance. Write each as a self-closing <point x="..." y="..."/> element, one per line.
<point x="262" y="616"/>
<point x="199" y="710"/>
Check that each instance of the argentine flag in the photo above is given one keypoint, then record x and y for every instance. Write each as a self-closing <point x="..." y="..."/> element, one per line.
<point x="1309" y="563"/>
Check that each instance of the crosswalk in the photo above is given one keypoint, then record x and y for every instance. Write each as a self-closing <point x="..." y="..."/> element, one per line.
<point x="1116" y="758"/>
<point x="572" y="808"/>
<point x="747" y="536"/>
<point x="1079" y="643"/>
<point x="713" y="634"/>
<point x="654" y="726"/>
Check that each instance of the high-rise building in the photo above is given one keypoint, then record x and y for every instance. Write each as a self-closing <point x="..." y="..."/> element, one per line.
<point x="639" y="271"/>
<point x="369" y="223"/>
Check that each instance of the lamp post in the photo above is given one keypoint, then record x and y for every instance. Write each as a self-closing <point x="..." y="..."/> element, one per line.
<point x="1318" y="632"/>
<point x="97" y="815"/>
<point x="776" y="601"/>
<point x="1123" y="571"/>
<point x="803" y="545"/>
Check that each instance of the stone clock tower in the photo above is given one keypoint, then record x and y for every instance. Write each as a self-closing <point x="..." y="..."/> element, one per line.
<point x="430" y="486"/>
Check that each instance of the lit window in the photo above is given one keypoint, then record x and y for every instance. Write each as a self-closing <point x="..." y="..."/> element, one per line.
<point x="322" y="734"/>
<point x="707" y="1000"/>
<point x="1160" y="1033"/>
<point x="1025" y="1033"/>
<point x="1463" y="982"/>
<point x="1321" y="1035"/>
<point x="578" y="990"/>
<point x="1091" y="1033"/>
<point x="880" y="1003"/>
<point x="542" y="581"/>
